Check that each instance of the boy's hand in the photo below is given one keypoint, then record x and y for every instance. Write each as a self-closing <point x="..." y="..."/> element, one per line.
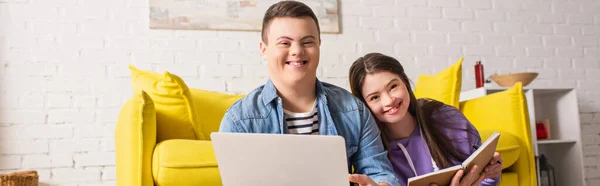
<point x="364" y="180"/>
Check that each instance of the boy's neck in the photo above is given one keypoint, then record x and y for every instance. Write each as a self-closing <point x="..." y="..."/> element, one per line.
<point x="298" y="97"/>
<point x="404" y="128"/>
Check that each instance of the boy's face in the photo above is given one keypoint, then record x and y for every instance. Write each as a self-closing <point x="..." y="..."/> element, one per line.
<point x="292" y="49"/>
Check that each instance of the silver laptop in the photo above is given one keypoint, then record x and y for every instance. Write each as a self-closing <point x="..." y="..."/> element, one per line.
<point x="280" y="159"/>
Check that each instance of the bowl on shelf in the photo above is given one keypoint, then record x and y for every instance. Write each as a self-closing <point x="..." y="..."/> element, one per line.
<point x="508" y="80"/>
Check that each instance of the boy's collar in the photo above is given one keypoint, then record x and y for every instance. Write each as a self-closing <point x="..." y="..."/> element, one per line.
<point x="269" y="92"/>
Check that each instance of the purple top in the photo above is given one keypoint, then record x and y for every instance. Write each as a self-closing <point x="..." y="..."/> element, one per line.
<point x="463" y="136"/>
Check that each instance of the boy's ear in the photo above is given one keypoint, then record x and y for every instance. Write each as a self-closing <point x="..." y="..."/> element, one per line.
<point x="263" y="48"/>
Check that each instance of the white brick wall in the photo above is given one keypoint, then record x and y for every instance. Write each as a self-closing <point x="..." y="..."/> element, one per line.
<point x="64" y="75"/>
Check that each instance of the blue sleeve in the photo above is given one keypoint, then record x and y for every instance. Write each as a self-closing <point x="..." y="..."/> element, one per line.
<point x="371" y="157"/>
<point x="229" y="125"/>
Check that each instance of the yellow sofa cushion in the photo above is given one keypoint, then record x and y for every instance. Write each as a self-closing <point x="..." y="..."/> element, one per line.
<point x="175" y="111"/>
<point x="444" y="86"/>
<point x="185" y="162"/>
<point x="134" y="149"/>
<point x="211" y="107"/>
<point x="509" y="179"/>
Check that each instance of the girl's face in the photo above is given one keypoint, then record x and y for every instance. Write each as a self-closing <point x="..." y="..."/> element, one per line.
<point x="387" y="96"/>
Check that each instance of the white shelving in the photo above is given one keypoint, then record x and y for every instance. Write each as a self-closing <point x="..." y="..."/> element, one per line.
<point x="544" y="142"/>
<point x="564" y="149"/>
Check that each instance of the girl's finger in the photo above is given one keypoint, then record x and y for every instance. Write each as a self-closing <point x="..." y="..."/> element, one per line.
<point x="479" y="180"/>
<point x="456" y="178"/>
<point x="492" y="168"/>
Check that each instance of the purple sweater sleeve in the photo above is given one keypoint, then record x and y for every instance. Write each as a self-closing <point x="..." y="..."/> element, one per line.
<point x="454" y="116"/>
<point x="475" y="140"/>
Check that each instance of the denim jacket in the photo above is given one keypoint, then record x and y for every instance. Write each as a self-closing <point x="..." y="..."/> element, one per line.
<point x="340" y="113"/>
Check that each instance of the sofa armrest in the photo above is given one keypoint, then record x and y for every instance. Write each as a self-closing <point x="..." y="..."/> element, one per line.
<point x="135" y="138"/>
<point x="508" y="146"/>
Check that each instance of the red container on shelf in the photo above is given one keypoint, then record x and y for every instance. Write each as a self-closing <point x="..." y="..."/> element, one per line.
<point x="541" y="131"/>
<point x="479" y="80"/>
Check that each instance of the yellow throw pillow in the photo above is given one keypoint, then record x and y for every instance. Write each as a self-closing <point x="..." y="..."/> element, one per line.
<point x="135" y="137"/>
<point x="211" y="107"/>
<point x="175" y="111"/>
<point x="506" y="110"/>
<point x="444" y="86"/>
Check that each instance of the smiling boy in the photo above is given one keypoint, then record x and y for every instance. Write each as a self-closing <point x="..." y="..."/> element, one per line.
<point x="294" y="101"/>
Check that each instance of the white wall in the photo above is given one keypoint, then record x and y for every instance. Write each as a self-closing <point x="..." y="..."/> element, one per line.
<point x="64" y="76"/>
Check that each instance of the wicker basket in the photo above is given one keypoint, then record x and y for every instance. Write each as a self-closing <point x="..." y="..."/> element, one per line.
<point x="508" y="80"/>
<point x="22" y="178"/>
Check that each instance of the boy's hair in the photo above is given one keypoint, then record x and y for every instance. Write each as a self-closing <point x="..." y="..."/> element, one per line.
<point x="293" y="9"/>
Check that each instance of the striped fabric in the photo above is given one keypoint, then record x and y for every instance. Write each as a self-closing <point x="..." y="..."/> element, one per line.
<point x="302" y="123"/>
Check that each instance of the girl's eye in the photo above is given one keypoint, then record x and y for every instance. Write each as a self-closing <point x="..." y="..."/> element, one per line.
<point x="284" y="43"/>
<point x="374" y="98"/>
<point x="394" y="86"/>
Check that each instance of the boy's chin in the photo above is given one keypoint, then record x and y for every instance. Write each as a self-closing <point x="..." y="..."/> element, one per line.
<point x="296" y="77"/>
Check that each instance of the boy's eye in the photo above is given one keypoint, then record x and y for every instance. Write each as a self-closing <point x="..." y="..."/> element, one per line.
<point x="284" y="43"/>
<point x="310" y="42"/>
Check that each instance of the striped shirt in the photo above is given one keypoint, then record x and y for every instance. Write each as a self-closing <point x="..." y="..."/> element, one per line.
<point x="302" y="123"/>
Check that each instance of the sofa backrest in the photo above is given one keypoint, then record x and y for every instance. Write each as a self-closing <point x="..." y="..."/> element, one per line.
<point x="210" y="108"/>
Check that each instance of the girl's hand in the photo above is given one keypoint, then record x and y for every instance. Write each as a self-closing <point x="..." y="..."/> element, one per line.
<point x="471" y="179"/>
<point x="494" y="168"/>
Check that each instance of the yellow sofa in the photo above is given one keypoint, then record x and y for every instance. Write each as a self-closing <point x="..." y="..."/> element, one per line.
<point x="505" y="112"/>
<point x="163" y="132"/>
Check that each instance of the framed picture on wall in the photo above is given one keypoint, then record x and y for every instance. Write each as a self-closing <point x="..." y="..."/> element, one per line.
<point x="243" y="15"/>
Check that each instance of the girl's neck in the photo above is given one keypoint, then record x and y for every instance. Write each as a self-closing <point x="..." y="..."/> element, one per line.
<point x="403" y="128"/>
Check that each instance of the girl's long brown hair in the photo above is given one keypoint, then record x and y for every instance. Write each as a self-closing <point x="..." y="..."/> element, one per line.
<point x="440" y="146"/>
